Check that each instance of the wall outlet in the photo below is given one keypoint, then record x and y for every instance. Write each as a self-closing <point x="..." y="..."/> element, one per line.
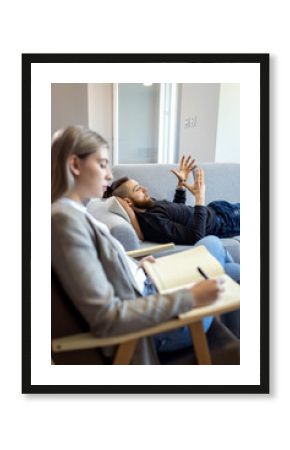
<point x="190" y="122"/>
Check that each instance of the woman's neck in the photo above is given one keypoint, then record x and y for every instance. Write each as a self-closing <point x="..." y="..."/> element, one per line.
<point x="73" y="195"/>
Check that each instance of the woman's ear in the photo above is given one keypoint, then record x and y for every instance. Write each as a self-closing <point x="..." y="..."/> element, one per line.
<point x="74" y="164"/>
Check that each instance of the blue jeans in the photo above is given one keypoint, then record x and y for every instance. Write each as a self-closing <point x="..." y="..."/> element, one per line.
<point x="181" y="338"/>
<point x="227" y="221"/>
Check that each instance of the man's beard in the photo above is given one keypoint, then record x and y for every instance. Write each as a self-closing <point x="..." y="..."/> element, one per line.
<point x="144" y="204"/>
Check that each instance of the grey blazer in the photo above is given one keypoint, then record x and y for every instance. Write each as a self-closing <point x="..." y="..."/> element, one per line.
<point x="96" y="277"/>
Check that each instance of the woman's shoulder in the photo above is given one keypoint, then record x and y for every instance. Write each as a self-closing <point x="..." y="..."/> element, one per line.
<point x="65" y="213"/>
<point x="67" y="217"/>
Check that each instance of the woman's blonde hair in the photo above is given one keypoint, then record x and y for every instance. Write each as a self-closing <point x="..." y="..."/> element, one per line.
<point x="73" y="140"/>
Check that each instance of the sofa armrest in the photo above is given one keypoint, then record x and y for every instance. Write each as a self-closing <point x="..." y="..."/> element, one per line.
<point x="112" y="214"/>
<point x="144" y="251"/>
<point x="125" y="233"/>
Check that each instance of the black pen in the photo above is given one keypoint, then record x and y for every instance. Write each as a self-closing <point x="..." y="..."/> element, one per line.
<point x="202" y="273"/>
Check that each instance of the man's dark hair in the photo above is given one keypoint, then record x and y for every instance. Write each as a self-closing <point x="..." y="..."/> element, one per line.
<point x="112" y="190"/>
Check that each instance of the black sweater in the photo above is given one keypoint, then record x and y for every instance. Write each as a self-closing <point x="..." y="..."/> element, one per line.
<point x="176" y="222"/>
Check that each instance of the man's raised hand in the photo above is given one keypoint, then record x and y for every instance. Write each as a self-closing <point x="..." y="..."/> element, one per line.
<point x="198" y="187"/>
<point x="185" y="167"/>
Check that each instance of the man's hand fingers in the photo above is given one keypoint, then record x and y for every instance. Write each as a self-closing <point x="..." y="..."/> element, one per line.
<point x="187" y="161"/>
<point x="197" y="175"/>
<point x="191" y="165"/>
<point x="198" y="169"/>
<point x="177" y="174"/>
<point x="181" y="162"/>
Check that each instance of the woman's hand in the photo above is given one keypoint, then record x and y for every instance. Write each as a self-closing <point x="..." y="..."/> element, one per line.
<point x="185" y="167"/>
<point x="149" y="258"/>
<point x="206" y="292"/>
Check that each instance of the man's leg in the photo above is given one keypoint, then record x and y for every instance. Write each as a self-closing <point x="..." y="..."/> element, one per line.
<point x="227" y="218"/>
<point x="217" y="249"/>
<point x="215" y="246"/>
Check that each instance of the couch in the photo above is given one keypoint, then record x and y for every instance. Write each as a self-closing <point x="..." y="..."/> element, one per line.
<point x="222" y="183"/>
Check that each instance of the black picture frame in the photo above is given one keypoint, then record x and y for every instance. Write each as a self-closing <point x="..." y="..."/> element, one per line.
<point x="263" y="61"/>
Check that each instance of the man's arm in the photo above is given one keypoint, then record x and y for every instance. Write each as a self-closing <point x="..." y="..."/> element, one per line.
<point x="179" y="196"/>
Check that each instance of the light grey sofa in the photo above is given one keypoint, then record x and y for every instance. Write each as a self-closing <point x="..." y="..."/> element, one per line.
<point x="222" y="183"/>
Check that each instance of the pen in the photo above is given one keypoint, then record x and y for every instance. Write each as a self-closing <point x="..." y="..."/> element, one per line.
<point x="202" y="273"/>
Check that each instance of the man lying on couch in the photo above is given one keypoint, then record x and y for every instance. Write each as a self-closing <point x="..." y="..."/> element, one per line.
<point x="163" y="221"/>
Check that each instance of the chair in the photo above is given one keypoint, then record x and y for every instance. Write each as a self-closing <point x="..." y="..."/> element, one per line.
<point x="66" y="321"/>
<point x="73" y="344"/>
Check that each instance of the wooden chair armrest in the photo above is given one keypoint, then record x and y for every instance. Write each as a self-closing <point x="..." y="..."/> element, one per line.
<point x="140" y="252"/>
<point x="84" y="341"/>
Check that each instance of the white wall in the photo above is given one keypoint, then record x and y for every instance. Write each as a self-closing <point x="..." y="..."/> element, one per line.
<point x="228" y="129"/>
<point x="100" y="109"/>
<point x="83" y="104"/>
<point x="199" y="104"/>
<point x="69" y="105"/>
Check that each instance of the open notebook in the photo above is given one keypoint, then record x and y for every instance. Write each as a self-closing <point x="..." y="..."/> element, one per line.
<point x="179" y="271"/>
